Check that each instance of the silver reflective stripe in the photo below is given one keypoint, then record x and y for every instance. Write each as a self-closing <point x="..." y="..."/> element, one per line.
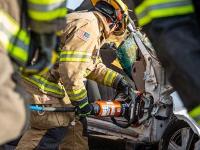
<point x="14" y="39"/>
<point x="12" y="47"/>
<point x="49" y="7"/>
<point x="16" y="42"/>
<point x="74" y="56"/>
<point x="163" y="6"/>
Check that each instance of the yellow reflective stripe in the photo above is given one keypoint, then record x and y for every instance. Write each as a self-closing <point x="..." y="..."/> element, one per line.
<point x="71" y="92"/>
<point x="48" y="15"/>
<point x="109" y="77"/>
<point x="74" y="60"/>
<point x="23" y="36"/>
<point x="11" y="25"/>
<point x="195" y="112"/>
<point x="75" y="56"/>
<point x="46" y="81"/>
<point x="45" y="2"/>
<point x="77" y="95"/>
<point x="84" y="104"/>
<point x="10" y="32"/>
<point x="113" y="77"/>
<point x="164" y="13"/>
<point x="15" y="51"/>
<point x="75" y="52"/>
<point x="198" y="122"/>
<point x="45" y="85"/>
<point x="18" y="53"/>
<point x="49" y="7"/>
<point x="197" y="119"/>
<point x="149" y="10"/>
<point x="147" y="3"/>
<point x="78" y="98"/>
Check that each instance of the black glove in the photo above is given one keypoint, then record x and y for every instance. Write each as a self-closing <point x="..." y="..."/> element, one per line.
<point x="123" y="87"/>
<point x="84" y="109"/>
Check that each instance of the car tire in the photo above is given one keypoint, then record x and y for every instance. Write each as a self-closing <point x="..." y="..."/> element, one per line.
<point x="178" y="136"/>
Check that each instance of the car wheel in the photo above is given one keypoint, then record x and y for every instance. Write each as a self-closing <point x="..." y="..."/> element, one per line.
<point x="178" y="136"/>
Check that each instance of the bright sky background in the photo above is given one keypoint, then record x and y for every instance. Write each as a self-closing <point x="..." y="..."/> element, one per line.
<point x="72" y="4"/>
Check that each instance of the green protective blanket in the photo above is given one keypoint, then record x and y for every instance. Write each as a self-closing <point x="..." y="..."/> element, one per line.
<point x="127" y="54"/>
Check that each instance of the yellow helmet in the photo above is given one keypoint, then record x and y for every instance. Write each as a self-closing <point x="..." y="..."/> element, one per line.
<point x="120" y="16"/>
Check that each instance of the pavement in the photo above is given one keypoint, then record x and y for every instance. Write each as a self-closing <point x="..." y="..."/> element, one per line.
<point x="99" y="143"/>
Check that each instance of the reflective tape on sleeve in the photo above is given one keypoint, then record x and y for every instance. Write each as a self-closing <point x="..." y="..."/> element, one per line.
<point x="45" y="2"/>
<point x="46" y="85"/>
<point x="80" y="103"/>
<point x="110" y="77"/>
<point x="75" y="56"/>
<point x="15" y="40"/>
<point x="152" y="9"/>
<point x="46" y="10"/>
<point x="77" y="95"/>
<point x="43" y="8"/>
<point x="48" y="15"/>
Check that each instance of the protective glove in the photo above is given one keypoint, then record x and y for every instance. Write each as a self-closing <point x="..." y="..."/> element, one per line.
<point x="84" y="109"/>
<point x="123" y="87"/>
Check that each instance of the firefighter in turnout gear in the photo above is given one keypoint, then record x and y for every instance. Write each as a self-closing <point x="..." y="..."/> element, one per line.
<point x="51" y="130"/>
<point x="81" y="40"/>
<point x="174" y="30"/>
<point x="19" y="20"/>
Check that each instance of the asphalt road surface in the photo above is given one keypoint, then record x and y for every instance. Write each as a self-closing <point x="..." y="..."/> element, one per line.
<point x="96" y="143"/>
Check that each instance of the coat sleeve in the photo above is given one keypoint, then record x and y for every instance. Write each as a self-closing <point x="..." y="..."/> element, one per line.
<point x="77" y="45"/>
<point x="105" y="76"/>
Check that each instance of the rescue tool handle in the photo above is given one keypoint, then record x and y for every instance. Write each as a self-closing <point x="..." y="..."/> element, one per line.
<point x="51" y="109"/>
<point x="83" y="120"/>
<point x="100" y="108"/>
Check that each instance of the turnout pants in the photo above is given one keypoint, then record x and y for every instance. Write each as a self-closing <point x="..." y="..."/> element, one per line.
<point x="63" y="138"/>
<point x="52" y="130"/>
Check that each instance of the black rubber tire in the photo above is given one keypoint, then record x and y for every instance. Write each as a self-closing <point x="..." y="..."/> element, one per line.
<point x="173" y="127"/>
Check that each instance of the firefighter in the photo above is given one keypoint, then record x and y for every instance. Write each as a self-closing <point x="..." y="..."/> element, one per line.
<point x="81" y="40"/>
<point x="172" y="26"/>
<point x="20" y="23"/>
<point x="50" y="130"/>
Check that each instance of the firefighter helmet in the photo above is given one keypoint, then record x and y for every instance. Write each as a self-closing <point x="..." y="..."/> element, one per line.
<point x="117" y="11"/>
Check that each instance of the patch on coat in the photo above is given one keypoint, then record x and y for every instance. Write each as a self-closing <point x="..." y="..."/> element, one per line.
<point x="83" y="35"/>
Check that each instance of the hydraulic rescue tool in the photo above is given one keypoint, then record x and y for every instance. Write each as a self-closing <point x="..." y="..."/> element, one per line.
<point x="101" y="108"/>
<point x="135" y="110"/>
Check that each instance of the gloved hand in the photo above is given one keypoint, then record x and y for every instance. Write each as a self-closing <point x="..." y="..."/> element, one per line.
<point x="123" y="87"/>
<point x="84" y="109"/>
